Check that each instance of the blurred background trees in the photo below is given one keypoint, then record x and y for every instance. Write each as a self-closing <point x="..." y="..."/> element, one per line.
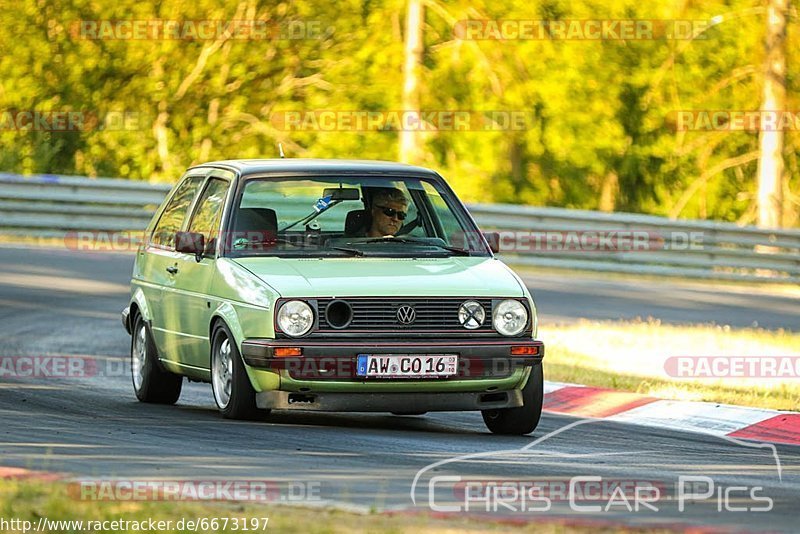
<point x="601" y="133"/>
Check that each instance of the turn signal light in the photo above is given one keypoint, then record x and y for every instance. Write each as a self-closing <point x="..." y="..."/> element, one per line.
<point x="285" y="352"/>
<point x="524" y="351"/>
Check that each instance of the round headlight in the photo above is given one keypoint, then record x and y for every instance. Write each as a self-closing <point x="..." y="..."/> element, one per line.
<point x="510" y="317"/>
<point x="471" y="315"/>
<point x="295" y="318"/>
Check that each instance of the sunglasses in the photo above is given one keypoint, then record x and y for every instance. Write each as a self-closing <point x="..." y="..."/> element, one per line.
<point x="390" y="212"/>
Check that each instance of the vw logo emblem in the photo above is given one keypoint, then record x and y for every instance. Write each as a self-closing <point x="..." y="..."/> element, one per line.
<point x="406" y="314"/>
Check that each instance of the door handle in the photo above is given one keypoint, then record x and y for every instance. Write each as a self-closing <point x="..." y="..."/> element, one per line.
<point x="172" y="269"/>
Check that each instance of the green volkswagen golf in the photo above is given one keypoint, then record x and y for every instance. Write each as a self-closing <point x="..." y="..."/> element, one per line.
<point x="330" y="285"/>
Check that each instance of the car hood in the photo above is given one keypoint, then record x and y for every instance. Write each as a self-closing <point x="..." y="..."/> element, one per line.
<point x="370" y="277"/>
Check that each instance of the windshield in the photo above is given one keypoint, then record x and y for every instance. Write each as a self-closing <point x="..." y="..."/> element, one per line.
<point x="334" y="216"/>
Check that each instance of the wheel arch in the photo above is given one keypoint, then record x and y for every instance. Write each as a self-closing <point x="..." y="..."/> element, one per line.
<point x="139" y="305"/>
<point x="226" y="315"/>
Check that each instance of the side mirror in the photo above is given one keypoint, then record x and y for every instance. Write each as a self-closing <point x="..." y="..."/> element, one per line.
<point x="493" y="239"/>
<point x="191" y="243"/>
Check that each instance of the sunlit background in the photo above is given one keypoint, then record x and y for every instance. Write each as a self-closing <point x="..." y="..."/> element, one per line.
<point x="599" y="133"/>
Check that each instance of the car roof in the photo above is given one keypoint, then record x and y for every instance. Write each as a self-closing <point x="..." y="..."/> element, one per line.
<point x="246" y="167"/>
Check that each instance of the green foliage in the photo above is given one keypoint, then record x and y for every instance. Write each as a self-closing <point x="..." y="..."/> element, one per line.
<point x="599" y="111"/>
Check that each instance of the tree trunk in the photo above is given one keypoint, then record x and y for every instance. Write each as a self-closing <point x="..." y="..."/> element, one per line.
<point x="608" y="192"/>
<point x="161" y="132"/>
<point x="515" y="156"/>
<point x="770" y="162"/>
<point x="409" y="139"/>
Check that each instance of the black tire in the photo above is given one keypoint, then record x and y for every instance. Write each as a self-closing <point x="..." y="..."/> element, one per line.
<point x="151" y="382"/>
<point x="524" y="419"/>
<point x="241" y="399"/>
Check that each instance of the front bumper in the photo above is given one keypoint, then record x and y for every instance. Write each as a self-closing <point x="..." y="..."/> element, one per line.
<point x="389" y="402"/>
<point x="336" y="360"/>
<point x="126" y="319"/>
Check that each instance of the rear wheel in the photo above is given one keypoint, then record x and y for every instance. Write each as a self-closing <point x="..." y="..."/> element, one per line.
<point x="525" y="418"/>
<point x="233" y="393"/>
<point x="151" y="383"/>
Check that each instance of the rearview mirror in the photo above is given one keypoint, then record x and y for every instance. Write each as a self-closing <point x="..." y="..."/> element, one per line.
<point x="341" y="193"/>
<point x="190" y="243"/>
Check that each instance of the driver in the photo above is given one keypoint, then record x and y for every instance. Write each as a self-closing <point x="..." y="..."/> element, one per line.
<point x="389" y="210"/>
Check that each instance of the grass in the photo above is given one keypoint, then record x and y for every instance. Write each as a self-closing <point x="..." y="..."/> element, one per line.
<point x="630" y="356"/>
<point x="28" y="500"/>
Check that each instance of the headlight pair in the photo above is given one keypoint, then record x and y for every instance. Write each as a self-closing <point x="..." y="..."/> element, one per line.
<point x="510" y="317"/>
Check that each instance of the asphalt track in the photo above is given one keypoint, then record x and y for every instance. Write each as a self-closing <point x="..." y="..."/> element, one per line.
<point x="67" y="303"/>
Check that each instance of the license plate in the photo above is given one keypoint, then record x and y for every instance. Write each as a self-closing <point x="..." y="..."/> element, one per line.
<point x="406" y="365"/>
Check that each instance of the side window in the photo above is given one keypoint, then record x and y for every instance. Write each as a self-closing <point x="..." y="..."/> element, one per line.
<point x="175" y="213"/>
<point x="450" y="225"/>
<point x="207" y="217"/>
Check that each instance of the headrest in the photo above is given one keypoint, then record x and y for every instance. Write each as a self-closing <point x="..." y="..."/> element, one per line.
<point x="356" y="223"/>
<point x="263" y="220"/>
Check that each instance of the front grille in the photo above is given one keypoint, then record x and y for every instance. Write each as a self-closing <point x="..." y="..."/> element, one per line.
<point x="380" y="315"/>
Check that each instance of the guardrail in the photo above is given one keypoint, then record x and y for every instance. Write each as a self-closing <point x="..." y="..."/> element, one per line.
<point x="55" y="206"/>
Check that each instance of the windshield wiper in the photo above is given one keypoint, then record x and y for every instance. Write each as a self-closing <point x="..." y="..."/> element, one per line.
<point x="283" y="241"/>
<point x="244" y="242"/>
<point x="352" y="251"/>
<point x="390" y="239"/>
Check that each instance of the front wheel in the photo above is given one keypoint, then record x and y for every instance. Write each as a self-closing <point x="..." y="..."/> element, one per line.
<point x="151" y="383"/>
<point x="235" y="396"/>
<point x="523" y="419"/>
